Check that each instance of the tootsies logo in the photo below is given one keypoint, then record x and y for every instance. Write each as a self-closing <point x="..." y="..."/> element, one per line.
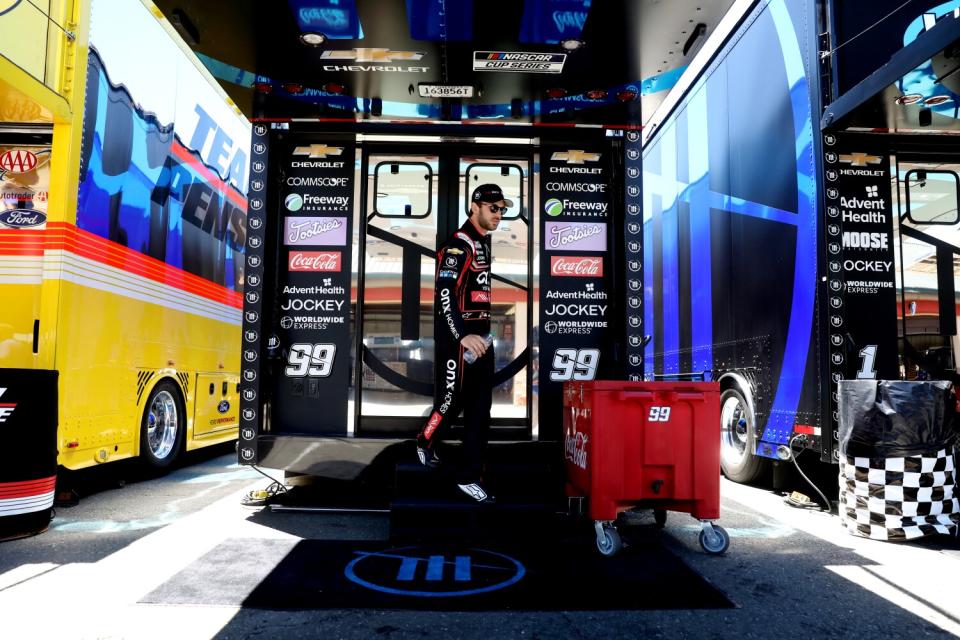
<point x="576" y="236"/>
<point x="578" y="266"/>
<point x="315" y="261"/>
<point x="314" y="231"/>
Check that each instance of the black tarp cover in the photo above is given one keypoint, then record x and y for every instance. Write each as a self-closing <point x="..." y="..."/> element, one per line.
<point x="893" y="418"/>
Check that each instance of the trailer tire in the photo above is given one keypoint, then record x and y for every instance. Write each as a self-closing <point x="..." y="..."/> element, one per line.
<point x="162" y="427"/>
<point x="738" y="439"/>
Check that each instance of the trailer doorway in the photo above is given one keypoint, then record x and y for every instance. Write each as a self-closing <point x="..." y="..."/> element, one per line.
<point x="413" y="198"/>
<point x="928" y="269"/>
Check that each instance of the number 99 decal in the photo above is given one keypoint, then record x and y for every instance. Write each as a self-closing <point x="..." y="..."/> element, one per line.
<point x="659" y="414"/>
<point x="310" y="359"/>
<point x="574" y="364"/>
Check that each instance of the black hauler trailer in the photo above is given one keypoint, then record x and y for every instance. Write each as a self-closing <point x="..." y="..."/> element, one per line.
<point x="800" y="218"/>
<point x="784" y="218"/>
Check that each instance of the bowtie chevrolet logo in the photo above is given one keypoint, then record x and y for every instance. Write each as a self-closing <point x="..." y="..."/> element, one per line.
<point x="318" y="151"/>
<point x="859" y="159"/>
<point x="575" y="156"/>
<point x="372" y="55"/>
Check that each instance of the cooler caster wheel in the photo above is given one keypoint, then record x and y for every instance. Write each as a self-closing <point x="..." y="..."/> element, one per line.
<point x="714" y="539"/>
<point x="609" y="542"/>
<point x="660" y="518"/>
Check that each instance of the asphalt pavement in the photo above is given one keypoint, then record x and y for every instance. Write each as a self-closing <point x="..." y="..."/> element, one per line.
<point x="178" y="556"/>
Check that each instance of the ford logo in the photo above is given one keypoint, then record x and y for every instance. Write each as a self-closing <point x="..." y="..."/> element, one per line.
<point x="223" y="407"/>
<point x="22" y="218"/>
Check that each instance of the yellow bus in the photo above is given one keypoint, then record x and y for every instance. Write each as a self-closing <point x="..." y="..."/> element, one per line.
<point x="123" y="175"/>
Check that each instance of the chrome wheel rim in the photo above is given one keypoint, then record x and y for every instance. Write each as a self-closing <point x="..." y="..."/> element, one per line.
<point x="162" y="425"/>
<point x="734" y="428"/>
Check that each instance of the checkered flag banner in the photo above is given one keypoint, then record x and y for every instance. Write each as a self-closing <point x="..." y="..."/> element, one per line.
<point x="899" y="498"/>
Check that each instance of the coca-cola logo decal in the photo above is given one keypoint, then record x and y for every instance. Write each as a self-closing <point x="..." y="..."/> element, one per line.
<point x="577" y="266"/>
<point x="315" y="261"/>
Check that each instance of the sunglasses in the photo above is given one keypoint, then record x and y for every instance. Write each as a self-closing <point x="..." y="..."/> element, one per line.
<point x="495" y="208"/>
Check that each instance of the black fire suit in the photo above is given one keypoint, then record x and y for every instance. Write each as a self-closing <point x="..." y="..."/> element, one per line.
<point x="462" y="304"/>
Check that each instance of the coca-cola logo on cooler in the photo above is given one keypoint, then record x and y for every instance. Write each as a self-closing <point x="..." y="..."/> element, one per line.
<point x="579" y="266"/>
<point x="314" y="261"/>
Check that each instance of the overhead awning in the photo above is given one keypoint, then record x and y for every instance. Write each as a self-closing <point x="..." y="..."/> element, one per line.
<point x="917" y="91"/>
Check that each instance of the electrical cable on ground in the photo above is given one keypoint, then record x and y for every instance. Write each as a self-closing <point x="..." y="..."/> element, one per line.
<point x="259" y="497"/>
<point x="793" y="456"/>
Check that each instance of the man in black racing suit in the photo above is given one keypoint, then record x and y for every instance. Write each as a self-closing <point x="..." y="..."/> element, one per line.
<point x="462" y="323"/>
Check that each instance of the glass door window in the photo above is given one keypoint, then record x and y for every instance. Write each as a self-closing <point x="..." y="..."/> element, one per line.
<point x="928" y="269"/>
<point x="414" y="203"/>
<point x="398" y="271"/>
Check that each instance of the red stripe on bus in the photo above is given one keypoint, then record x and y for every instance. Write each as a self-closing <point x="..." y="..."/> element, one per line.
<point x="208" y="175"/>
<point x="28" y="488"/>
<point x="67" y="237"/>
<point x="805" y="429"/>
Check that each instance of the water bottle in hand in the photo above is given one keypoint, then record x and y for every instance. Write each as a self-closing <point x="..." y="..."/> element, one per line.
<point x="468" y="356"/>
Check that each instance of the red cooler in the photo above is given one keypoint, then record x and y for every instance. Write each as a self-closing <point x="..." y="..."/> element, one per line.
<point x="654" y="445"/>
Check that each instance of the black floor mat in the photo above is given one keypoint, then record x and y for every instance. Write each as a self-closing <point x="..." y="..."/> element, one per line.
<point x="317" y="574"/>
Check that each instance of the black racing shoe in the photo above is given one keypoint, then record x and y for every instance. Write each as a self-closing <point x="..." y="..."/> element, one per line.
<point x="428" y="456"/>
<point x="476" y="491"/>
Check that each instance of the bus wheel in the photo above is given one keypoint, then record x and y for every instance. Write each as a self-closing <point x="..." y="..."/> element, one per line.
<point x="738" y="439"/>
<point x="162" y="427"/>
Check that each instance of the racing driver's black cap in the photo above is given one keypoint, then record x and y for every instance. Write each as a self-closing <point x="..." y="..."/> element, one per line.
<point x="489" y="193"/>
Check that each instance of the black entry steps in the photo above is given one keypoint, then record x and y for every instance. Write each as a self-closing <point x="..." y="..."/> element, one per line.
<point x="526" y="479"/>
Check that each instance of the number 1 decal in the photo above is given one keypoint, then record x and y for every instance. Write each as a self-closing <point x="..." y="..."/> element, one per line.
<point x="868" y="356"/>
